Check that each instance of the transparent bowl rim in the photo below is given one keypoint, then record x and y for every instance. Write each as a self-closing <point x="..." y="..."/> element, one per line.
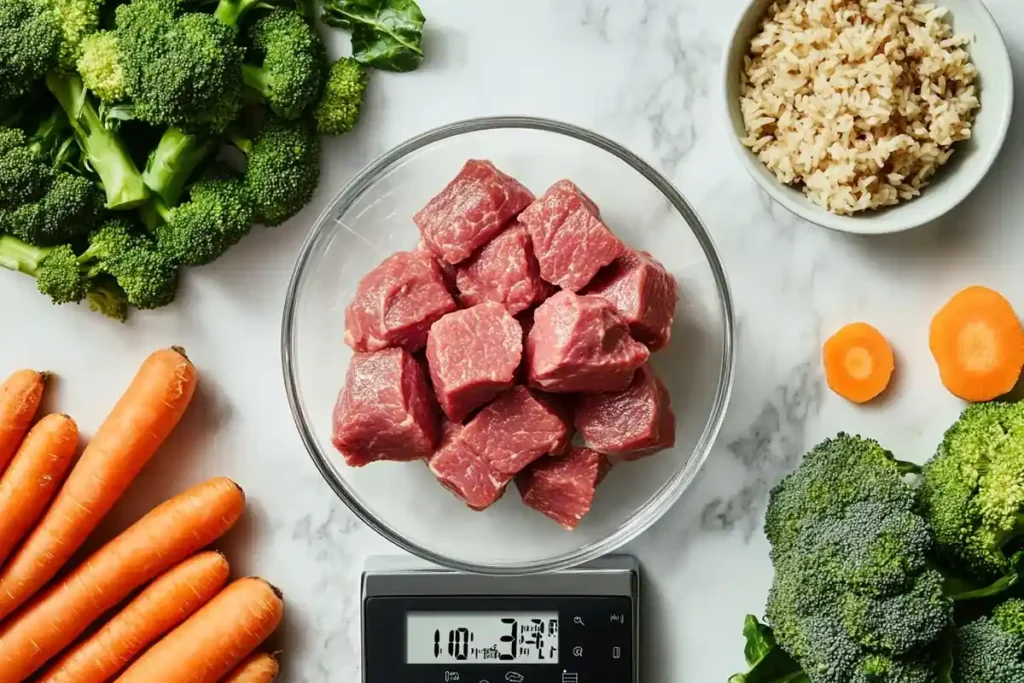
<point x="669" y="493"/>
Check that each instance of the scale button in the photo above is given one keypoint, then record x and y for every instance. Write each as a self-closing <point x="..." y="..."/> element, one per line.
<point x="618" y="619"/>
<point x="577" y="651"/>
<point x="578" y="620"/>
<point x="514" y="677"/>
<point x="451" y="676"/>
<point x="616" y="652"/>
<point x="570" y="678"/>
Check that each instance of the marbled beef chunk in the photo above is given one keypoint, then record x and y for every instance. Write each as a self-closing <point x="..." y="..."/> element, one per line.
<point x="563" y="487"/>
<point x="397" y="302"/>
<point x="504" y="271"/>
<point x="642" y="292"/>
<point x="464" y="472"/>
<point x="631" y="423"/>
<point x="386" y="410"/>
<point x="471" y="210"/>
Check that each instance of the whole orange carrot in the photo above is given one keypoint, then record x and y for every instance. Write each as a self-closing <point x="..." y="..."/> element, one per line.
<point x="161" y="606"/>
<point x="260" y="667"/>
<point x="166" y="535"/>
<point x="215" y="639"/>
<point x="128" y="438"/>
<point x="19" y="400"/>
<point x="28" y="485"/>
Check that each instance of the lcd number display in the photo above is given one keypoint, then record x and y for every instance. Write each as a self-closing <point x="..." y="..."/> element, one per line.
<point x="479" y="638"/>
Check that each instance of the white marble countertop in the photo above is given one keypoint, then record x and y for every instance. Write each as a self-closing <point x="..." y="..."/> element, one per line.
<point x="643" y="72"/>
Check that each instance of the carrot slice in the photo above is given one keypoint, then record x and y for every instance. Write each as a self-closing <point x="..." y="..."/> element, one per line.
<point x="19" y="400"/>
<point x="260" y="667"/>
<point x="215" y="639"/>
<point x="127" y="439"/>
<point x="858" y="362"/>
<point x="978" y="343"/>
<point x="168" y="534"/>
<point x="29" y="484"/>
<point x="165" y="603"/>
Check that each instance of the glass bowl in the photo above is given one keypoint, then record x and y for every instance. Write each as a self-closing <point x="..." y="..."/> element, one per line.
<point x="372" y="218"/>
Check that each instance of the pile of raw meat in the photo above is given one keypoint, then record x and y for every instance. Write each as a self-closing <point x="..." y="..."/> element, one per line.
<point x="515" y="324"/>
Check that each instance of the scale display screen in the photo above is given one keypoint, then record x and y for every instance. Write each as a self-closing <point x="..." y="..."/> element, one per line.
<point x="481" y="638"/>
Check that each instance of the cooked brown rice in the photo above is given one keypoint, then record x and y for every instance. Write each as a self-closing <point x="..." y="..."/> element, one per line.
<point x="857" y="101"/>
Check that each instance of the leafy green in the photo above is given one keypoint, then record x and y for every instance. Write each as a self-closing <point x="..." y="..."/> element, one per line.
<point x="386" y="34"/>
<point x="768" y="662"/>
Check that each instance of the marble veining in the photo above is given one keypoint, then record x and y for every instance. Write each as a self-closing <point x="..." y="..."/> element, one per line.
<point x="645" y="73"/>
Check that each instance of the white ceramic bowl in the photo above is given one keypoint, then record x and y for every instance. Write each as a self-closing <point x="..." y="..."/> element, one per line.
<point x="372" y="217"/>
<point x="953" y="181"/>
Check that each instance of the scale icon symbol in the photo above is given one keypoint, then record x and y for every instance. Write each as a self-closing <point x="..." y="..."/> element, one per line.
<point x="570" y="678"/>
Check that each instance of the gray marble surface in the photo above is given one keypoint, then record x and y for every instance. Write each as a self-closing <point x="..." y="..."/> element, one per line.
<point x="644" y="72"/>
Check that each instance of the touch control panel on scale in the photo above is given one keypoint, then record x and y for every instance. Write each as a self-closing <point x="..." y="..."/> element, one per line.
<point x="424" y="624"/>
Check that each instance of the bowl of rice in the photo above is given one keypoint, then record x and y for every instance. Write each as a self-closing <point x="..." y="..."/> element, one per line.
<point x="868" y="116"/>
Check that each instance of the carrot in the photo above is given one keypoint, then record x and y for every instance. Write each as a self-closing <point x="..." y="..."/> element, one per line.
<point x="978" y="344"/>
<point x="127" y="439"/>
<point x="260" y="667"/>
<point x="29" y="484"/>
<point x="858" y="362"/>
<point x="168" y="534"/>
<point x="164" y="604"/>
<point x="215" y="639"/>
<point x="19" y="400"/>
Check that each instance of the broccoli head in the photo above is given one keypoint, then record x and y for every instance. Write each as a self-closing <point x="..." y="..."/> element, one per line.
<point x="342" y="99"/>
<point x="219" y="213"/>
<point x="55" y="269"/>
<point x="854" y="599"/>
<point x="180" y="69"/>
<point x="833" y="475"/>
<point x="283" y="168"/>
<point x="992" y="648"/>
<point x="30" y="38"/>
<point x="99" y="67"/>
<point x="971" y="491"/>
<point x="77" y="19"/>
<point x="292" y="63"/>
<point x="148" y="277"/>
<point x="39" y="204"/>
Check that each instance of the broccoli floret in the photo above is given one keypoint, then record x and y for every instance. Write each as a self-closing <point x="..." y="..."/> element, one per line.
<point x="100" y="68"/>
<point x="991" y="649"/>
<point x="148" y="277"/>
<point x="30" y="38"/>
<point x="180" y="69"/>
<point x="103" y="148"/>
<point x="77" y="19"/>
<point x="55" y="269"/>
<point x="106" y="296"/>
<point x="39" y="204"/>
<point x="833" y="475"/>
<point x="219" y="213"/>
<point x="971" y="492"/>
<point x="342" y="101"/>
<point x="283" y="168"/>
<point x="174" y="161"/>
<point x="292" y="62"/>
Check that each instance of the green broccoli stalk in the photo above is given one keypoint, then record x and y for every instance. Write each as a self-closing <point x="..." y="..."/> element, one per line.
<point x="293" y="60"/>
<point x="992" y="648"/>
<point x="219" y="213"/>
<point x="30" y="38"/>
<point x="174" y="162"/>
<point x="55" y="269"/>
<point x="342" y="100"/>
<point x="233" y="13"/>
<point x="971" y="492"/>
<point x="104" y="150"/>
<point x="283" y="168"/>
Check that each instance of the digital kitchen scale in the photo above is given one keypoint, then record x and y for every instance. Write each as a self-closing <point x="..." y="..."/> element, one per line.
<point x="423" y="624"/>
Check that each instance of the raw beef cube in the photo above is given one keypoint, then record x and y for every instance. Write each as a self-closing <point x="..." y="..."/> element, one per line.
<point x="632" y="423"/>
<point x="473" y="355"/>
<point x="386" y="410"/>
<point x="642" y="292"/>
<point x="397" y="302"/>
<point x="569" y="238"/>
<point x="465" y="473"/>
<point x="504" y="271"/>
<point x="518" y="427"/>
<point x="472" y="209"/>
<point x="563" y="487"/>
<point x="579" y="343"/>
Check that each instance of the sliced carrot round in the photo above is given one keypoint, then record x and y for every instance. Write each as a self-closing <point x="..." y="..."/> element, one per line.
<point x="858" y="362"/>
<point x="978" y="343"/>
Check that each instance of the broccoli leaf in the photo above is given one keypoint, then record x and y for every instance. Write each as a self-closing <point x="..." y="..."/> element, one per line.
<point x="768" y="662"/>
<point x="386" y="34"/>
